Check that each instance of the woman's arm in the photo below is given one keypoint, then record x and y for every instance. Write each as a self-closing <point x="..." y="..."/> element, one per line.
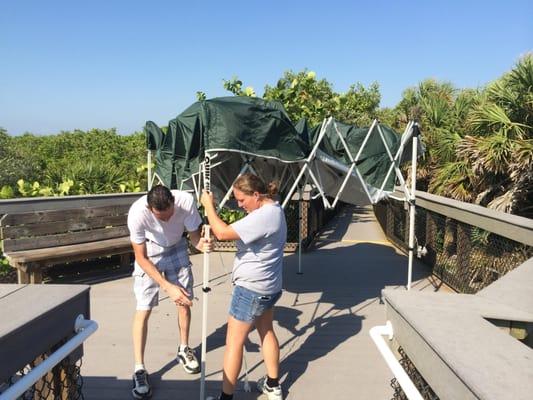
<point x="220" y="229"/>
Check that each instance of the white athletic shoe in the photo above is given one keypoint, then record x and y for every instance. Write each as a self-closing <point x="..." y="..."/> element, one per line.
<point x="188" y="359"/>
<point x="273" y="393"/>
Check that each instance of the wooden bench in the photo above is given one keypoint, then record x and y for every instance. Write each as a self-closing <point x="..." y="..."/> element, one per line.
<point x="35" y="240"/>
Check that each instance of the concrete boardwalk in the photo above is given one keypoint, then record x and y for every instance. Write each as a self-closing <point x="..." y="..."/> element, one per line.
<point x="322" y="322"/>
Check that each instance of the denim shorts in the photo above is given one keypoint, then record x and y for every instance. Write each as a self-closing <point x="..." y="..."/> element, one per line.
<point x="247" y="305"/>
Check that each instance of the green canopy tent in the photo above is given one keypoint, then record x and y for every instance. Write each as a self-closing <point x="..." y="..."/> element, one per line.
<point x="333" y="161"/>
<point x="357" y="158"/>
<point x="242" y="134"/>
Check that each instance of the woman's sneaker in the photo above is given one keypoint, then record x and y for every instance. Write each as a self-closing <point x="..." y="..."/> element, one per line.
<point x="141" y="387"/>
<point x="273" y="393"/>
<point x="187" y="358"/>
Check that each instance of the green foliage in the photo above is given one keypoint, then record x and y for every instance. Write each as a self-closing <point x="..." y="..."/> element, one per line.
<point x="359" y="106"/>
<point x="201" y="96"/>
<point x="6" y="192"/>
<point x="479" y="236"/>
<point x="303" y="96"/>
<point x="234" y="86"/>
<point x="230" y="216"/>
<point x="96" y="161"/>
<point x="4" y="265"/>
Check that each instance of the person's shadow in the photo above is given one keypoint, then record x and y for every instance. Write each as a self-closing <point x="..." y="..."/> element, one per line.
<point x="218" y="339"/>
<point x="324" y="334"/>
<point x="347" y="279"/>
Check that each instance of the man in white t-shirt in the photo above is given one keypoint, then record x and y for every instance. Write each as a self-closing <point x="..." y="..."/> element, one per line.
<point x="157" y="223"/>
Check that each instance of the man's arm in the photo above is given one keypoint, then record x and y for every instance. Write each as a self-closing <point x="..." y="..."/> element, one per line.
<point x="198" y="241"/>
<point x="178" y="294"/>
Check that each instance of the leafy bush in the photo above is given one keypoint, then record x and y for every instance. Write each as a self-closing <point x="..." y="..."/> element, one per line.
<point x="230" y="216"/>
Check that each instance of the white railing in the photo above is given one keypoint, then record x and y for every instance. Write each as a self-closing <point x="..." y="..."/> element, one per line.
<point x="377" y="333"/>
<point x="83" y="328"/>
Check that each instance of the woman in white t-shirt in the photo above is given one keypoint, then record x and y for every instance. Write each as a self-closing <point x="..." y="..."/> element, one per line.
<point x="257" y="277"/>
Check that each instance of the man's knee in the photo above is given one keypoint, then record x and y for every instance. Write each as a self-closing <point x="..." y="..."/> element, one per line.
<point x="142" y="315"/>
<point x="184" y="310"/>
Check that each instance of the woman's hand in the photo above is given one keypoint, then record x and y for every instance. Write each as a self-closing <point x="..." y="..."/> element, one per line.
<point x="207" y="199"/>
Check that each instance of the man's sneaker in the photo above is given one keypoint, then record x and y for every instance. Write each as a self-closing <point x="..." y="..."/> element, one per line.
<point x="141" y="387"/>
<point x="187" y="358"/>
<point x="273" y="393"/>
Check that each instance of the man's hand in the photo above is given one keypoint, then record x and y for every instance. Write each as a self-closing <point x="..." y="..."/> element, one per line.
<point x="178" y="295"/>
<point x="205" y="245"/>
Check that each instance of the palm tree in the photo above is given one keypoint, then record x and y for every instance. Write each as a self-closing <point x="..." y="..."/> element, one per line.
<point x="502" y="151"/>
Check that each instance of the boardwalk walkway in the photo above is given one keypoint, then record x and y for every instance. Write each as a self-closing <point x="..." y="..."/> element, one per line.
<point x="323" y="320"/>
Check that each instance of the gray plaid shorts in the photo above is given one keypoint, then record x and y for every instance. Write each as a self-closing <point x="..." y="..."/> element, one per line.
<point x="173" y="263"/>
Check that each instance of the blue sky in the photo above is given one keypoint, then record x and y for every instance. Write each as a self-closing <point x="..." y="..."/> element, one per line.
<point x="68" y="65"/>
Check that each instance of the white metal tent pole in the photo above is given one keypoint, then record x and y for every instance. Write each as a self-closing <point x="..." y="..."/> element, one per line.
<point x="230" y="189"/>
<point x="149" y="162"/>
<point x="404" y="139"/>
<point x="352" y="160"/>
<point x="205" y="284"/>
<point x="300" y="232"/>
<point x="412" y="206"/>
<point x="325" y="123"/>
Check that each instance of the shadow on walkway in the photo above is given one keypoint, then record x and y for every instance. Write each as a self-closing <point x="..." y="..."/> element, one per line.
<point x="346" y="280"/>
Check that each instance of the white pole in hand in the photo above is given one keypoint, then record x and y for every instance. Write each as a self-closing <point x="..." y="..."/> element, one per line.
<point x="205" y="285"/>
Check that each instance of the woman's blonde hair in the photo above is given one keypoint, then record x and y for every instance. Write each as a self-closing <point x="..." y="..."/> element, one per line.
<point x="250" y="183"/>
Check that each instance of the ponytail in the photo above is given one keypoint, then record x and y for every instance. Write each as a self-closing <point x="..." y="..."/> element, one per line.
<point x="250" y="183"/>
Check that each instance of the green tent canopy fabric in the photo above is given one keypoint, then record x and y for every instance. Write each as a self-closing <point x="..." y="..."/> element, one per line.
<point x="244" y="131"/>
<point x="245" y="125"/>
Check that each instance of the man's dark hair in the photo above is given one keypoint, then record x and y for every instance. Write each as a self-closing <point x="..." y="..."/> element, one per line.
<point x="160" y="198"/>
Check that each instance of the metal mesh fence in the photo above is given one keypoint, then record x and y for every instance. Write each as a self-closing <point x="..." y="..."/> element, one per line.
<point x="63" y="382"/>
<point x="419" y="382"/>
<point x="467" y="258"/>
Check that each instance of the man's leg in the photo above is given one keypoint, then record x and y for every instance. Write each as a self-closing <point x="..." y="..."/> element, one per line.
<point x="184" y="324"/>
<point x="140" y="333"/>
<point x="235" y="338"/>
<point x="186" y="355"/>
<point x="141" y="387"/>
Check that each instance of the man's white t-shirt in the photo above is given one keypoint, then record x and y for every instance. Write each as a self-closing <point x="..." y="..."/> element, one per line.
<point x="259" y="259"/>
<point x="143" y="225"/>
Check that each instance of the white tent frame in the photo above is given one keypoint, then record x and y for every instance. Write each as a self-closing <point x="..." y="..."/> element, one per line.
<point x="411" y="130"/>
<point x="314" y="179"/>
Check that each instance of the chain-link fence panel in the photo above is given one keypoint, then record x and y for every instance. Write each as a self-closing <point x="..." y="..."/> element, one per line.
<point x="425" y="390"/>
<point x="466" y="257"/>
<point x="63" y="382"/>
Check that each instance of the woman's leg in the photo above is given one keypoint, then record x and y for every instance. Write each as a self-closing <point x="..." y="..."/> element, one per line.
<point x="235" y="338"/>
<point x="269" y="342"/>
